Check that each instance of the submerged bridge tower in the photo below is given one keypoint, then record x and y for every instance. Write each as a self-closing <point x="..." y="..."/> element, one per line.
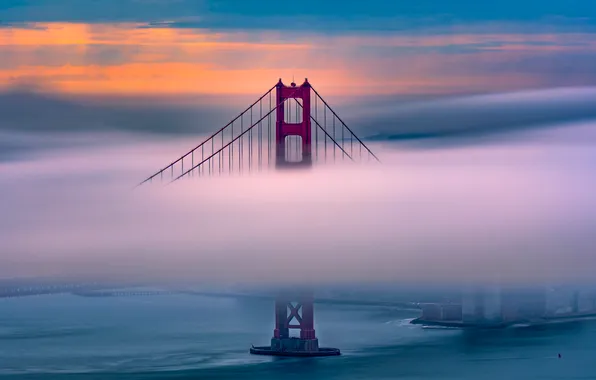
<point x="285" y="127"/>
<point x="294" y="312"/>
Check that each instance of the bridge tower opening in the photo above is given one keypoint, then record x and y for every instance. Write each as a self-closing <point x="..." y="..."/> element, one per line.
<point x="285" y="128"/>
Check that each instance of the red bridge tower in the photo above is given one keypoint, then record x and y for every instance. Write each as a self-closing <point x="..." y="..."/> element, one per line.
<point x="302" y="129"/>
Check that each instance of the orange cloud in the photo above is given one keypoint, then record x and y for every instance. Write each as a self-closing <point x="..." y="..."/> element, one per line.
<point x="194" y="61"/>
<point x="148" y="70"/>
<point x="159" y="78"/>
<point x="52" y="34"/>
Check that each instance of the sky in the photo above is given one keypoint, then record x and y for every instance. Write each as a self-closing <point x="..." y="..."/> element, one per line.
<point x="484" y="115"/>
<point x="160" y="47"/>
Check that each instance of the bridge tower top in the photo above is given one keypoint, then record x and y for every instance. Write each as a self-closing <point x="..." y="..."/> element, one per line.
<point x="285" y="128"/>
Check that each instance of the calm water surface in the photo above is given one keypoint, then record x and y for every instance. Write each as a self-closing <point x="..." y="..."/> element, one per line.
<point x="179" y="336"/>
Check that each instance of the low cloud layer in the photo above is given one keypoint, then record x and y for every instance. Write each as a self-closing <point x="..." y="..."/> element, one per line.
<point x="521" y="212"/>
<point x="24" y="110"/>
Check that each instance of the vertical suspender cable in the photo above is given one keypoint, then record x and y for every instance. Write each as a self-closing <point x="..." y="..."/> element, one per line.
<point x="342" y="141"/>
<point x="325" y="128"/>
<point x="334" y="138"/>
<point x="316" y="130"/>
<point x="240" y="157"/>
<point x="269" y="132"/>
<point x="260" y="135"/>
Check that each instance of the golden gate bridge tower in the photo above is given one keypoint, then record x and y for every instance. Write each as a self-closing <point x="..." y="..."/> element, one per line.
<point x="276" y="131"/>
<point x="300" y="128"/>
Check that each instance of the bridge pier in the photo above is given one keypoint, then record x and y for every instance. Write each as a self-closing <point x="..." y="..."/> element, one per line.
<point x="294" y="313"/>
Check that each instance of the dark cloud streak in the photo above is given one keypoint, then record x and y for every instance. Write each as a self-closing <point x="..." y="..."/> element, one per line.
<point x="27" y="111"/>
<point x="477" y="116"/>
<point x="474" y="118"/>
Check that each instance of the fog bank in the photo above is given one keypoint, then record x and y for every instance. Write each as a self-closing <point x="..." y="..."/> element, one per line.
<point x="522" y="211"/>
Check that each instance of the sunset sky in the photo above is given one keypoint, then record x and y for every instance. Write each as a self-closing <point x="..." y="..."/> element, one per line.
<point x="132" y="47"/>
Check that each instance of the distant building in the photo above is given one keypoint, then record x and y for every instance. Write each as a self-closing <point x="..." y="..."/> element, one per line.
<point x="523" y="304"/>
<point x="482" y="305"/>
<point x="562" y="301"/>
<point x="495" y="305"/>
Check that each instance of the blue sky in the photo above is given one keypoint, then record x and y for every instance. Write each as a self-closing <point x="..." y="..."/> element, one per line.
<point x="372" y="14"/>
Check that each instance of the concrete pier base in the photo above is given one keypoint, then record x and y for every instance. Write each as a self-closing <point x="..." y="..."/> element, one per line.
<point x="294" y="347"/>
<point x="294" y="344"/>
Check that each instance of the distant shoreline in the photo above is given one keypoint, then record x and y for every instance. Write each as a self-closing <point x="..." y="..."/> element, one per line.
<point x="124" y="292"/>
<point x="526" y="323"/>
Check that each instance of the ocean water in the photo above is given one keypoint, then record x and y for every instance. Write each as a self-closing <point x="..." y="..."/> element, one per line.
<point x="188" y="337"/>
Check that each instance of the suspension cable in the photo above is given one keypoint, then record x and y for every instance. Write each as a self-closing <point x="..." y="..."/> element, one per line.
<point x="230" y="143"/>
<point x="328" y="135"/>
<point x="344" y="124"/>
<point x="211" y="137"/>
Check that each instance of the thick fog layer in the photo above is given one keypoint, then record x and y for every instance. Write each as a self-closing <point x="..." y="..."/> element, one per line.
<point x="519" y="209"/>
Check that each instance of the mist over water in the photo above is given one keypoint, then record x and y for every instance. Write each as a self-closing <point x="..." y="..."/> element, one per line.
<point x="517" y="208"/>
